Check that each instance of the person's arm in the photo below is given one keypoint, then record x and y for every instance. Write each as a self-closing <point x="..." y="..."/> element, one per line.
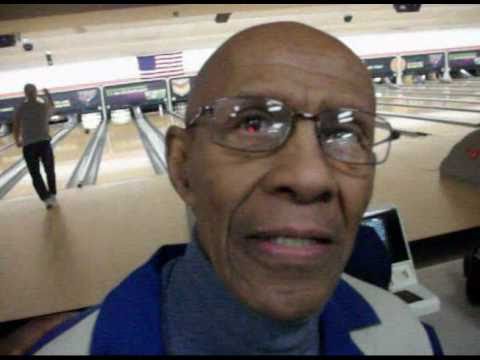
<point x="50" y="103"/>
<point x="16" y="127"/>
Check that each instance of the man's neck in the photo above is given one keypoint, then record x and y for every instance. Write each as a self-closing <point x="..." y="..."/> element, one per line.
<point x="201" y="317"/>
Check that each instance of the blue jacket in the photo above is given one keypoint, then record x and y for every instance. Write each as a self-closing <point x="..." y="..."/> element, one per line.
<point x="128" y="321"/>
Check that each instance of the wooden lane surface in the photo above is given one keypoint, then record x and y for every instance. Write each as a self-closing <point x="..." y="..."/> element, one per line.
<point x="124" y="156"/>
<point x="71" y="256"/>
<point x="163" y="122"/>
<point x="5" y="140"/>
<point x="429" y="204"/>
<point x="443" y="115"/>
<point x="9" y="157"/>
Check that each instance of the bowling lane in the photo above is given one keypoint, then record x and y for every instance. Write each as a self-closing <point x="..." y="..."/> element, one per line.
<point x="472" y="118"/>
<point x="454" y="86"/>
<point x="9" y="156"/>
<point x="433" y="100"/>
<point x="438" y="85"/>
<point x="444" y="90"/>
<point x="442" y="137"/>
<point x="124" y="156"/>
<point x="5" y="140"/>
<point x="67" y="153"/>
<point x="471" y="81"/>
<point x="14" y="153"/>
<point x="450" y="115"/>
<point x="415" y="91"/>
<point x="461" y="103"/>
<point x="163" y="122"/>
<point x="411" y="179"/>
<point x="431" y="128"/>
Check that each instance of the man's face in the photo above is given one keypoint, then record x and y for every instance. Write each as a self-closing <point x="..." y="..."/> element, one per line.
<point x="31" y="92"/>
<point x="246" y="203"/>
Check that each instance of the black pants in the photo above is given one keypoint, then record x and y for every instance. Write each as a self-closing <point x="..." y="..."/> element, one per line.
<point x="33" y="154"/>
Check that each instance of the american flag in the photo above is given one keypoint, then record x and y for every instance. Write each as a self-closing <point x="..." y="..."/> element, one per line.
<point x="161" y="65"/>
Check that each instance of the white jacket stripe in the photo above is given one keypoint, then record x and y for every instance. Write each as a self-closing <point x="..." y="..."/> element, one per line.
<point x="399" y="332"/>
<point x="74" y="341"/>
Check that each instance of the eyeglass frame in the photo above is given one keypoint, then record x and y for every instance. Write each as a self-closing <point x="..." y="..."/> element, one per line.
<point x="394" y="134"/>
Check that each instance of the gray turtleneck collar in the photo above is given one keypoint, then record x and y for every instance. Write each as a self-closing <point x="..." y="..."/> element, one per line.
<point x="201" y="317"/>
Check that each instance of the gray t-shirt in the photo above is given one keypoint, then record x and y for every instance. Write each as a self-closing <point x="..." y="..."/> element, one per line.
<point x="34" y="117"/>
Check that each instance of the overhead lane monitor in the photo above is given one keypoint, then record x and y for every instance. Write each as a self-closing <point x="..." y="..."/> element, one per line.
<point x="422" y="64"/>
<point x="66" y="103"/>
<point x="381" y="67"/>
<point x="148" y="95"/>
<point x="80" y="101"/>
<point x="467" y="60"/>
<point x="75" y="102"/>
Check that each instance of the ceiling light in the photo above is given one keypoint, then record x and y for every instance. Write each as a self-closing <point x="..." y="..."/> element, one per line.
<point x="222" y="17"/>
<point x="407" y="7"/>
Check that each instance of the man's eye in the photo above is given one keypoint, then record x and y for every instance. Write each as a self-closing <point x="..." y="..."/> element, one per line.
<point x="254" y="123"/>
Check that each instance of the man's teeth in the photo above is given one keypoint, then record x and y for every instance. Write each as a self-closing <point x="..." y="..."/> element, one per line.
<point x="288" y="241"/>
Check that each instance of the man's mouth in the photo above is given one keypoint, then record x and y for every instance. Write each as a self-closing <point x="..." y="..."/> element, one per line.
<point x="294" y="236"/>
<point x="291" y="246"/>
<point x="297" y="242"/>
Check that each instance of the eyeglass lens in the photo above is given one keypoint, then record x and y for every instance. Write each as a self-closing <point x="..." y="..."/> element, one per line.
<point x="259" y="124"/>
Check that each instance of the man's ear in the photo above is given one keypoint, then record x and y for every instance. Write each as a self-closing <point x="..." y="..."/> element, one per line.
<point x="177" y="141"/>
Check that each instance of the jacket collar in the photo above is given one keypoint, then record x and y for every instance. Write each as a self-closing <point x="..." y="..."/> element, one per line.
<point x="129" y="321"/>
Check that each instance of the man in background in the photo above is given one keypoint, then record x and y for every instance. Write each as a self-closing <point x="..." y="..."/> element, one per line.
<point x="31" y="131"/>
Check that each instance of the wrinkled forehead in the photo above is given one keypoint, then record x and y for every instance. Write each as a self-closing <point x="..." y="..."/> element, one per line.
<point x="277" y="58"/>
<point x="307" y="48"/>
<point x="289" y="60"/>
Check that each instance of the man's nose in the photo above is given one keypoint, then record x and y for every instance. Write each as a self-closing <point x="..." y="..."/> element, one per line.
<point x="300" y="169"/>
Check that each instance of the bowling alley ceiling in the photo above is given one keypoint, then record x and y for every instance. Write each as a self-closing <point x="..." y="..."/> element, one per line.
<point x="84" y="32"/>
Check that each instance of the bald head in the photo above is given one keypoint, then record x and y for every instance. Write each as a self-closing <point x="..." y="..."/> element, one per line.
<point x="293" y="46"/>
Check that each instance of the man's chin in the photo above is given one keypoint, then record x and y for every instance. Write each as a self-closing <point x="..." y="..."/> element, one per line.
<point x="283" y="313"/>
<point x="287" y="307"/>
<point x="283" y="294"/>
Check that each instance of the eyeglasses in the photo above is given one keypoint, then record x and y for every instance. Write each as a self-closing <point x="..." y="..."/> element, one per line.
<point x="258" y="124"/>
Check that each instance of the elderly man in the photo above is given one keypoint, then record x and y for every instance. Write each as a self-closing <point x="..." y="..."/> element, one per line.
<point x="277" y="163"/>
